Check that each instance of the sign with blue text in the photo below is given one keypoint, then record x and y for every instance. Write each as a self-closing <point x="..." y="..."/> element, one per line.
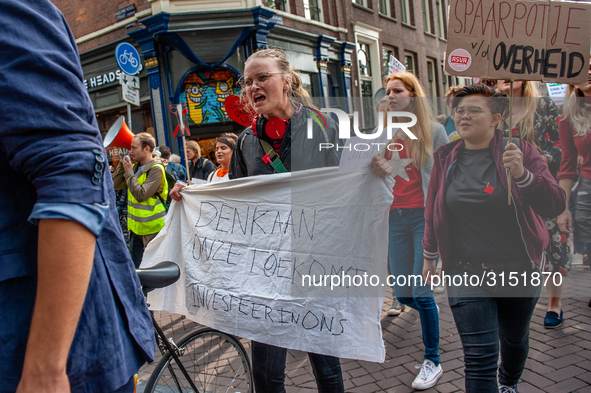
<point x="128" y="58"/>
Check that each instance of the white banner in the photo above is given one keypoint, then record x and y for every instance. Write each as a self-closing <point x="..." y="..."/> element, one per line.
<point x="245" y="245"/>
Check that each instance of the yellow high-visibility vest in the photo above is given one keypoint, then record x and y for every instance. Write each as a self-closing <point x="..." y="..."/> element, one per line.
<point x="147" y="217"/>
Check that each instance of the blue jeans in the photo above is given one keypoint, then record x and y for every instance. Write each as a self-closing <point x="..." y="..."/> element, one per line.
<point x="268" y="367"/>
<point x="486" y="316"/>
<point x="405" y="257"/>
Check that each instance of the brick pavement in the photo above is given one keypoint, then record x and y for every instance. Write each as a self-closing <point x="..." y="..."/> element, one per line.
<point x="559" y="360"/>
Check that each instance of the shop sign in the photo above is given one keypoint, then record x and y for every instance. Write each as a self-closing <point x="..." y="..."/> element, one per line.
<point x="102" y="79"/>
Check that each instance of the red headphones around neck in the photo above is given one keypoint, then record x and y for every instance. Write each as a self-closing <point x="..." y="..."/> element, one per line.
<point x="275" y="127"/>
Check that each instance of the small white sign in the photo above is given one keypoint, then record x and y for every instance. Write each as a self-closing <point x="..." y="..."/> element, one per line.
<point x="394" y="66"/>
<point x="131" y="95"/>
<point x="557" y="91"/>
<point x="133" y="81"/>
<point x="358" y="152"/>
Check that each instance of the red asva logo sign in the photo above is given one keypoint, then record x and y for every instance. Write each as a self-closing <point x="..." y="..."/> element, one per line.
<point x="459" y="60"/>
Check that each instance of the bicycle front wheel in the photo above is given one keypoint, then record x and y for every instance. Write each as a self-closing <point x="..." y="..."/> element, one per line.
<point x="215" y="361"/>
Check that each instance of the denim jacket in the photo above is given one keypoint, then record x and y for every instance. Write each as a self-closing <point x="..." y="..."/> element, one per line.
<point x="51" y="152"/>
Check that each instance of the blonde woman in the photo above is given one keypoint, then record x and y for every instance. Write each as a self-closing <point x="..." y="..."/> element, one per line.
<point x="575" y="138"/>
<point x="273" y="90"/>
<point x="535" y="120"/>
<point x="411" y="168"/>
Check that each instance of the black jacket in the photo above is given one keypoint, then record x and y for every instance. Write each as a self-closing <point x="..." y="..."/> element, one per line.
<point x="297" y="152"/>
<point x="202" y="169"/>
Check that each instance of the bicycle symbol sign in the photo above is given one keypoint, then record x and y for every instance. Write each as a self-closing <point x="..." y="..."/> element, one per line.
<point x="128" y="58"/>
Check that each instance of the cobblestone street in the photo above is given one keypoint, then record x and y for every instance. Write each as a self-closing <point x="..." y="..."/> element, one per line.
<point x="559" y="360"/>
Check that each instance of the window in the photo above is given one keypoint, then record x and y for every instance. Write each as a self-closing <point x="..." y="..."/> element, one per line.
<point x="386" y="53"/>
<point x="313" y="10"/>
<point x="410" y="63"/>
<point x="306" y="82"/>
<point x="405" y="11"/>
<point x="365" y="78"/>
<point x="427" y="22"/>
<point x="364" y="59"/>
<point x="384" y="5"/>
<point x="360" y="2"/>
<point x="441" y="19"/>
<point x="432" y="78"/>
<point x="281" y="5"/>
<point x="369" y="70"/>
<point x="367" y="102"/>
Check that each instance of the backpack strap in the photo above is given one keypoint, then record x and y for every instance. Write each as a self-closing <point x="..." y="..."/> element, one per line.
<point x="271" y="157"/>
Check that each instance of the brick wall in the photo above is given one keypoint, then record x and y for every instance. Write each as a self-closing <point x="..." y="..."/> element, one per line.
<point x="88" y="16"/>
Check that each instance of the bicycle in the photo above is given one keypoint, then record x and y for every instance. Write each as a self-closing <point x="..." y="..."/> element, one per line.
<point x="204" y="360"/>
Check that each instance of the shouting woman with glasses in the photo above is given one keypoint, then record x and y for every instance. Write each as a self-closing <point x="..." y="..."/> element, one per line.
<point x="494" y="248"/>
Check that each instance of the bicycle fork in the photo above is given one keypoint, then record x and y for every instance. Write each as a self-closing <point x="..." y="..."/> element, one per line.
<point x="174" y="355"/>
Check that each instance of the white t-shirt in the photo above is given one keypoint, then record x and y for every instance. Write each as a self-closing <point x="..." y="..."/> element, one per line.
<point x="214" y="178"/>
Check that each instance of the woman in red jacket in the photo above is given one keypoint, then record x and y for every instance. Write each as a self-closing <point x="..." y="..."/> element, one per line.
<point x="485" y="244"/>
<point x="575" y="139"/>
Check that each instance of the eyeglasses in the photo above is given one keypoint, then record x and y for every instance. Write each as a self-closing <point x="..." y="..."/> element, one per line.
<point x="472" y="111"/>
<point x="492" y="83"/>
<point x="261" y="80"/>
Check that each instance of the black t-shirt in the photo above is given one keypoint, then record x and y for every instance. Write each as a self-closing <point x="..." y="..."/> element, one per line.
<point x="484" y="227"/>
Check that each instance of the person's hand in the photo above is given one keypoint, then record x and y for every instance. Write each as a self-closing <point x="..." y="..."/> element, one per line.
<point x="127" y="164"/>
<point x="565" y="222"/>
<point x="175" y="193"/>
<point x="380" y="166"/>
<point x="547" y="158"/>
<point x="429" y="270"/>
<point x="513" y="160"/>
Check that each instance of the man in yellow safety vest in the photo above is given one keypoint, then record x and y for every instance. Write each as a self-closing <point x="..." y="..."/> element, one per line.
<point x="147" y="189"/>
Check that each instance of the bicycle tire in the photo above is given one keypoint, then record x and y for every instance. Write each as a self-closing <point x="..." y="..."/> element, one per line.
<point x="216" y="361"/>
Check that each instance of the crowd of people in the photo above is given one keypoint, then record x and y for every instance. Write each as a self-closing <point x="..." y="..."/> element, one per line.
<point x="74" y="317"/>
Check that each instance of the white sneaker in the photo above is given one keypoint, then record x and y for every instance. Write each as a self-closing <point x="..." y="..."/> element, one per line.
<point x="428" y="376"/>
<point x="396" y="309"/>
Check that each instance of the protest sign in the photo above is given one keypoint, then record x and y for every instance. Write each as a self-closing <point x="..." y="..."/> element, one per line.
<point x="395" y="66"/>
<point x="557" y="91"/>
<point x="245" y="245"/>
<point x="357" y="152"/>
<point x="519" y="40"/>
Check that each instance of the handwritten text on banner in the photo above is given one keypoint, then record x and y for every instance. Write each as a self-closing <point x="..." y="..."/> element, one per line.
<point x="244" y="245"/>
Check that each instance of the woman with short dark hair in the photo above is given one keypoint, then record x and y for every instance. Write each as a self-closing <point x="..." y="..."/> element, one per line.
<point x="480" y="237"/>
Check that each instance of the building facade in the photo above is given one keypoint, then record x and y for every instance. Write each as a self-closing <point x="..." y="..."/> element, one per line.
<point x="193" y="54"/>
